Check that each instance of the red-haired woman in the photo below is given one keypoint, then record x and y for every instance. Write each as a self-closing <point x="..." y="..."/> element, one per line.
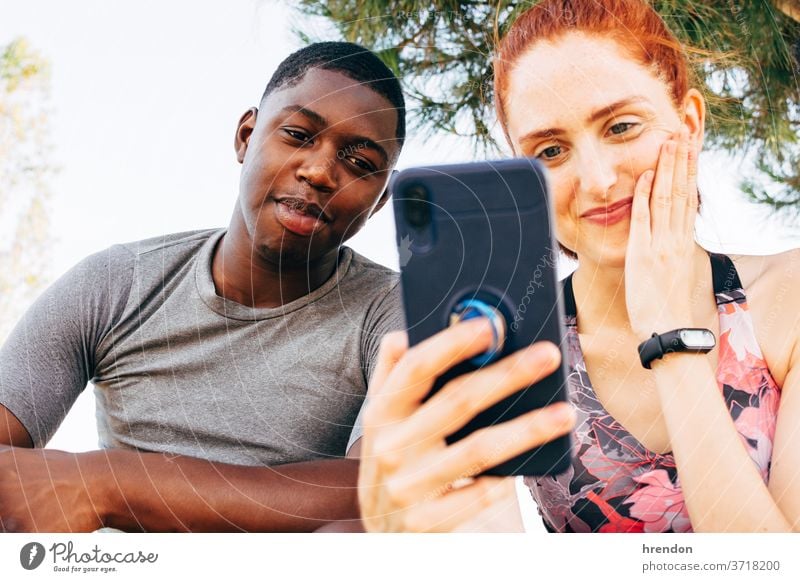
<point x="599" y="92"/>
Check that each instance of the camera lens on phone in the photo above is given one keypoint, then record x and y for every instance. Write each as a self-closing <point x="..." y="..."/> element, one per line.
<point x="416" y="206"/>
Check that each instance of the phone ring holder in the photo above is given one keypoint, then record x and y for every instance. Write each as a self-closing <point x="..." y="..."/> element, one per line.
<point x="472" y="308"/>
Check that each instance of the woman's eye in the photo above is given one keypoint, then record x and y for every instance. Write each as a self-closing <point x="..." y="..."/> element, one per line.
<point x="550" y="152"/>
<point x="620" y="128"/>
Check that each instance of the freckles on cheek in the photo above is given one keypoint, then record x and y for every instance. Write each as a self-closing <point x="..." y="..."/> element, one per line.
<point x="645" y="151"/>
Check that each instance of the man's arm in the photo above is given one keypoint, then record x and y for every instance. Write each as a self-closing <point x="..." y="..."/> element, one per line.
<point x="49" y="490"/>
<point x="350" y="525"/>
<point x="11" y="430"/>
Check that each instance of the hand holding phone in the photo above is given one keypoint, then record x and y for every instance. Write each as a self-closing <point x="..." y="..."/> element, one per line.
<point x="410" y="479"/>
<point x="480" y="244"/>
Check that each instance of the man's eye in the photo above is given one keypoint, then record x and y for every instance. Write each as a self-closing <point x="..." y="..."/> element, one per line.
<point x="550" y="152"/>
<point x="361" y="164"/>
<point x="620" y="128"/>
<point x="298" y="135"/>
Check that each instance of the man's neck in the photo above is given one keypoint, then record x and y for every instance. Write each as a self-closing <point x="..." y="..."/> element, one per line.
<point x="241" y="275"/>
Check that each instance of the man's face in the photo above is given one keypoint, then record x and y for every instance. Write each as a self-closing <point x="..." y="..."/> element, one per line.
<point x="316" y="159"/>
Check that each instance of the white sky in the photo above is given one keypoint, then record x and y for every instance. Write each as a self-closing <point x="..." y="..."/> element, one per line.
<point x="146" y="96"/>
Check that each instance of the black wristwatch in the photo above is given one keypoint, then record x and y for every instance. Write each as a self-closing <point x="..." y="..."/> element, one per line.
<point x="690" y="339"/>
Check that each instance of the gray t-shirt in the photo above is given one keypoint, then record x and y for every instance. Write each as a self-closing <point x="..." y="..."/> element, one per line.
<point x="179" y="369"/>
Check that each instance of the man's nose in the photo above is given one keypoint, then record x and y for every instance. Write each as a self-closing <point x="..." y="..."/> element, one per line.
<point x="318" y="169"/>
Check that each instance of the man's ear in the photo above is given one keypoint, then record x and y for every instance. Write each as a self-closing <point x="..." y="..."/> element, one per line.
<point x="385" y="196"/>
<point x="694" y="116"/>
<point x="244" y="130"/>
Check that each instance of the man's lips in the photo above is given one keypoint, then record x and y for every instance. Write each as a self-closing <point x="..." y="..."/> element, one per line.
<point x="610" y="214"/>
<point x="299" y="216"/>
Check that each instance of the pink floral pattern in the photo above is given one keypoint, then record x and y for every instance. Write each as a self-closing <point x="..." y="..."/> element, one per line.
<point x="614" y="483"/>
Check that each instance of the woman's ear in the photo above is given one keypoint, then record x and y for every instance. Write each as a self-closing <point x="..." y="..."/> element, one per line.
<point x="244" y="130"/>
<point x="694" y="116"/>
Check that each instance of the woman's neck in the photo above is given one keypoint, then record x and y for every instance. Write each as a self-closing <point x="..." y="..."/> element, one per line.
<point x="600" y="293"/>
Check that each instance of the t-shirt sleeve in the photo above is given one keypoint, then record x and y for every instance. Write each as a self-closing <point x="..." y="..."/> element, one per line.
<point x="51" y="353"/>
<point x="385" y="316"/>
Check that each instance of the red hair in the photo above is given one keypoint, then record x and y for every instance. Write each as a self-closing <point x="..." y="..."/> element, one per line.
<point x="632" y="23"/>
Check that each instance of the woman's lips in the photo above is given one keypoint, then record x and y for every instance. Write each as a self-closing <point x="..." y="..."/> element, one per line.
<point x="296" y="221"/>
<point x="612" y="215"/>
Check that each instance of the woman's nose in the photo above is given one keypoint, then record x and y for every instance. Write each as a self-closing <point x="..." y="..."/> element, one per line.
<point x="597" y="174"/>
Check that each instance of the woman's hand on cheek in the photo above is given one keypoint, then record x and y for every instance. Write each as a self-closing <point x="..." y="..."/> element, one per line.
<point x="658" y="261"/>
<point x="410" y="479"/>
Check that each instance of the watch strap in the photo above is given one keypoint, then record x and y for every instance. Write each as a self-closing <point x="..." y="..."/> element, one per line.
<point x="658" y="345"/>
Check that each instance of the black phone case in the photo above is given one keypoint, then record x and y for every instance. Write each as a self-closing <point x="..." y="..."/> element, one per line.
<point x="487" y="235"/>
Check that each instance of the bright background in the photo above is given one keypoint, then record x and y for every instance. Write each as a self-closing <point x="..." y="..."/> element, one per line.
<point x="145" y="99"/>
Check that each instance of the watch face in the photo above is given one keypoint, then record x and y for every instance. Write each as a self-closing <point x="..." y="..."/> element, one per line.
<point x="698" y="339"/>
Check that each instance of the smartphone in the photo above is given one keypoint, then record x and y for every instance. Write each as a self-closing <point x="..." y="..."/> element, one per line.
<point x="476" y="239"/>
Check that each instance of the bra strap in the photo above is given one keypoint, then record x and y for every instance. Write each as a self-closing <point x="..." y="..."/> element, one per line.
<point x="723" y="271"/>
<point x="724" y="274"/>
<point x="570" y="309"/>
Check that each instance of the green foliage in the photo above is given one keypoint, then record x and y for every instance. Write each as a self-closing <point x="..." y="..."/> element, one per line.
<point x="19" y="64"/>
<point x="745" y="58"/>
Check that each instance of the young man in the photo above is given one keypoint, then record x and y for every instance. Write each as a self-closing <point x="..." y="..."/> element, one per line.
<point x="229" y="365"/>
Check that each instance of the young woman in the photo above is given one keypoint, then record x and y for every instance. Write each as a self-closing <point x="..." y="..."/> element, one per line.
<point x="600" y="93"/>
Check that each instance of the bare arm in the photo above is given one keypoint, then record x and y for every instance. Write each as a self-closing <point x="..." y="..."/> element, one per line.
<point x="11" y="430"/>
<point x="348" y="525"/>
<point x="49" y="490"/>
<point x="723" y="489"/>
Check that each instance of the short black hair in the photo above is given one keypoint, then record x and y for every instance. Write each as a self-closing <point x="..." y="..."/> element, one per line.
<point x="350" y="59"/>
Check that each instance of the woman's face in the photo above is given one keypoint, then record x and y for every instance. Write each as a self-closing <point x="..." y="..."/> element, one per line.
<point x="596" y="119"/>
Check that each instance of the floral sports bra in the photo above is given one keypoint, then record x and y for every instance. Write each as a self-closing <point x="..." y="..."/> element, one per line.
<point x="614" y="483"/>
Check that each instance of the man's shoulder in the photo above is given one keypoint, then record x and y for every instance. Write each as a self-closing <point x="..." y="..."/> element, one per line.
<point x="116" y="265"/>
<point x="367" y="274"/>
<point x="176" y="243"/>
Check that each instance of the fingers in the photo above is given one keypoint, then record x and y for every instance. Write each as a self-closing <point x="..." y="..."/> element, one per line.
<point x="464" y="397"/>
<point x="680" y="188"/>
<point x="393" y="347"/>
<point x="411" y="379"/>
<point x="488" y="447"/>
<point x="640" y="235"/>
<point x="661" y="196"/>
<point x="693" y="197"/>
<point x="673" y="197"/>
<point x="494" y="499"/>
<point x="504" y="517"/>
<point x="432" y="473"/>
